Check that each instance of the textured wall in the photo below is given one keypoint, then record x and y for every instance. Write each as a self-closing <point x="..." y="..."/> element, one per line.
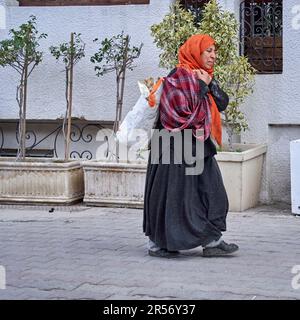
<point x="78" y="2"/>
<point x="2" y="15"/>
<point x="94" y="98"/>
<point x="273" y="111"/>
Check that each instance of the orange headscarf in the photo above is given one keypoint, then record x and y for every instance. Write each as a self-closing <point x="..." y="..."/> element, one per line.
<point x="189" y="57"/>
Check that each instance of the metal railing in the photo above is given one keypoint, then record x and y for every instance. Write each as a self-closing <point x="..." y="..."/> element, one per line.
<point x="82" y="141"/>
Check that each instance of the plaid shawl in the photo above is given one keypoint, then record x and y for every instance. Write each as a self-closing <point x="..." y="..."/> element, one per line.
<point x="181" y="107"/>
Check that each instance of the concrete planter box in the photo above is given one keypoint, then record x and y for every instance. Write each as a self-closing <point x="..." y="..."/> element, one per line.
<point x="123" y="184"/>
<point x="114" y="184"/>
<point x="242" y="172"/>
<point x="40" y="180"/>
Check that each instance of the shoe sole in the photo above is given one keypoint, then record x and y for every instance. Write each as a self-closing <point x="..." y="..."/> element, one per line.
<point x="220" y="253"/>
<point x="167" y="256"/>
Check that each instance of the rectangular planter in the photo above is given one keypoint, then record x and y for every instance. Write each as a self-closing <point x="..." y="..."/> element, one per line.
<point x="114" y="184"/>
<point x="39" y="180"/>
<point x="242" y="172"/>
<point x="123" y="184"/>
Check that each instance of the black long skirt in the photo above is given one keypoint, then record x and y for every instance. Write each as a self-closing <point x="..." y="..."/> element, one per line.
<point x="182" y="211"/>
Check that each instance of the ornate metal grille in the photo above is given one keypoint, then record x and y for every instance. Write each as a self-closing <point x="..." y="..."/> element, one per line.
<point x="195" y="6"/>
<point x="50" y="142"/>
<point x="261" y="34"/>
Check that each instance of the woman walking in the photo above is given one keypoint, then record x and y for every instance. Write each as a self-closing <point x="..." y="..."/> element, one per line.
<point x="186" y="211"/>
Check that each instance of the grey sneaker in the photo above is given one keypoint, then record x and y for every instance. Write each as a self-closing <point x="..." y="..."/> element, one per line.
<point x="222" y="249"/>
<point x="163" y="253"/>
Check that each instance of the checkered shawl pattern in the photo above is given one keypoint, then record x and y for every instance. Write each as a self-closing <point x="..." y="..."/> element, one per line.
<point x="181" y="106"/>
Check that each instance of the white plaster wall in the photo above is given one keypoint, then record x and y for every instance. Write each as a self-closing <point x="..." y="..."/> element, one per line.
<point x="276" y="100"/>
<point x="11" y="2"/>
<point x="94" y="98"/>
<point x="2" y="14"/>
<point x="273" y="111"/>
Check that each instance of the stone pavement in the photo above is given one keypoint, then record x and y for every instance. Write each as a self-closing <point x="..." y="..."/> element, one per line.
<point x="81" y="252"/>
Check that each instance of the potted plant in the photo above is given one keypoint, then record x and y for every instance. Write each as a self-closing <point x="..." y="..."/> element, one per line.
<point x="240" y="164"/>
<point x="110" y="180"/>
<point x="26" y="179"/>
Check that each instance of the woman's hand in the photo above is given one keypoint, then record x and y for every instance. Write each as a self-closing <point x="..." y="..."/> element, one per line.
<point x="202" y="75"/>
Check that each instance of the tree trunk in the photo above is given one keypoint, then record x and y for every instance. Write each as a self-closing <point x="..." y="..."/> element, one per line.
<point x="123" y="74"/>
<point x="115" y="127"/>
<point x="69" y="104"/>
<point x="229" y="134"/>
<point x="120" y="94"/>
<point x="23" y="112"/>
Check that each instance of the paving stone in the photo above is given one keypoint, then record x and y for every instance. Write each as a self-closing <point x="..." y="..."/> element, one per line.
<point x="81" y="252"/>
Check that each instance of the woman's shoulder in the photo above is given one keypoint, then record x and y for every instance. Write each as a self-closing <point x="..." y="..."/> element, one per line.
<point x="180" y="73"/>
<point x="172" y="72"/>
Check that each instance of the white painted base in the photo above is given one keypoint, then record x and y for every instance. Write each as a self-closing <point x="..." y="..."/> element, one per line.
<point x="242" y="172"/>
<point x="295" y="176"/>
<point x="40" y="180"/>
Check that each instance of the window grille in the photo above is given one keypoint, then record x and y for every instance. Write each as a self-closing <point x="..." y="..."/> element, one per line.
<point x="261" y="34"/>
<point x="195" y="6"/>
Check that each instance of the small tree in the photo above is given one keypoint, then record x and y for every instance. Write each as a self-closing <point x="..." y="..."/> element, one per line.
<point x="116" y="55"/>
<point x="176" y="27"/>
<point x="20" y="52"/>
<point x="234" y="72"/>
<point x="70" y="53"/>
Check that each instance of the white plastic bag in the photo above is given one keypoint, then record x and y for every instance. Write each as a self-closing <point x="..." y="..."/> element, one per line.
<point x="137" y="124"/>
